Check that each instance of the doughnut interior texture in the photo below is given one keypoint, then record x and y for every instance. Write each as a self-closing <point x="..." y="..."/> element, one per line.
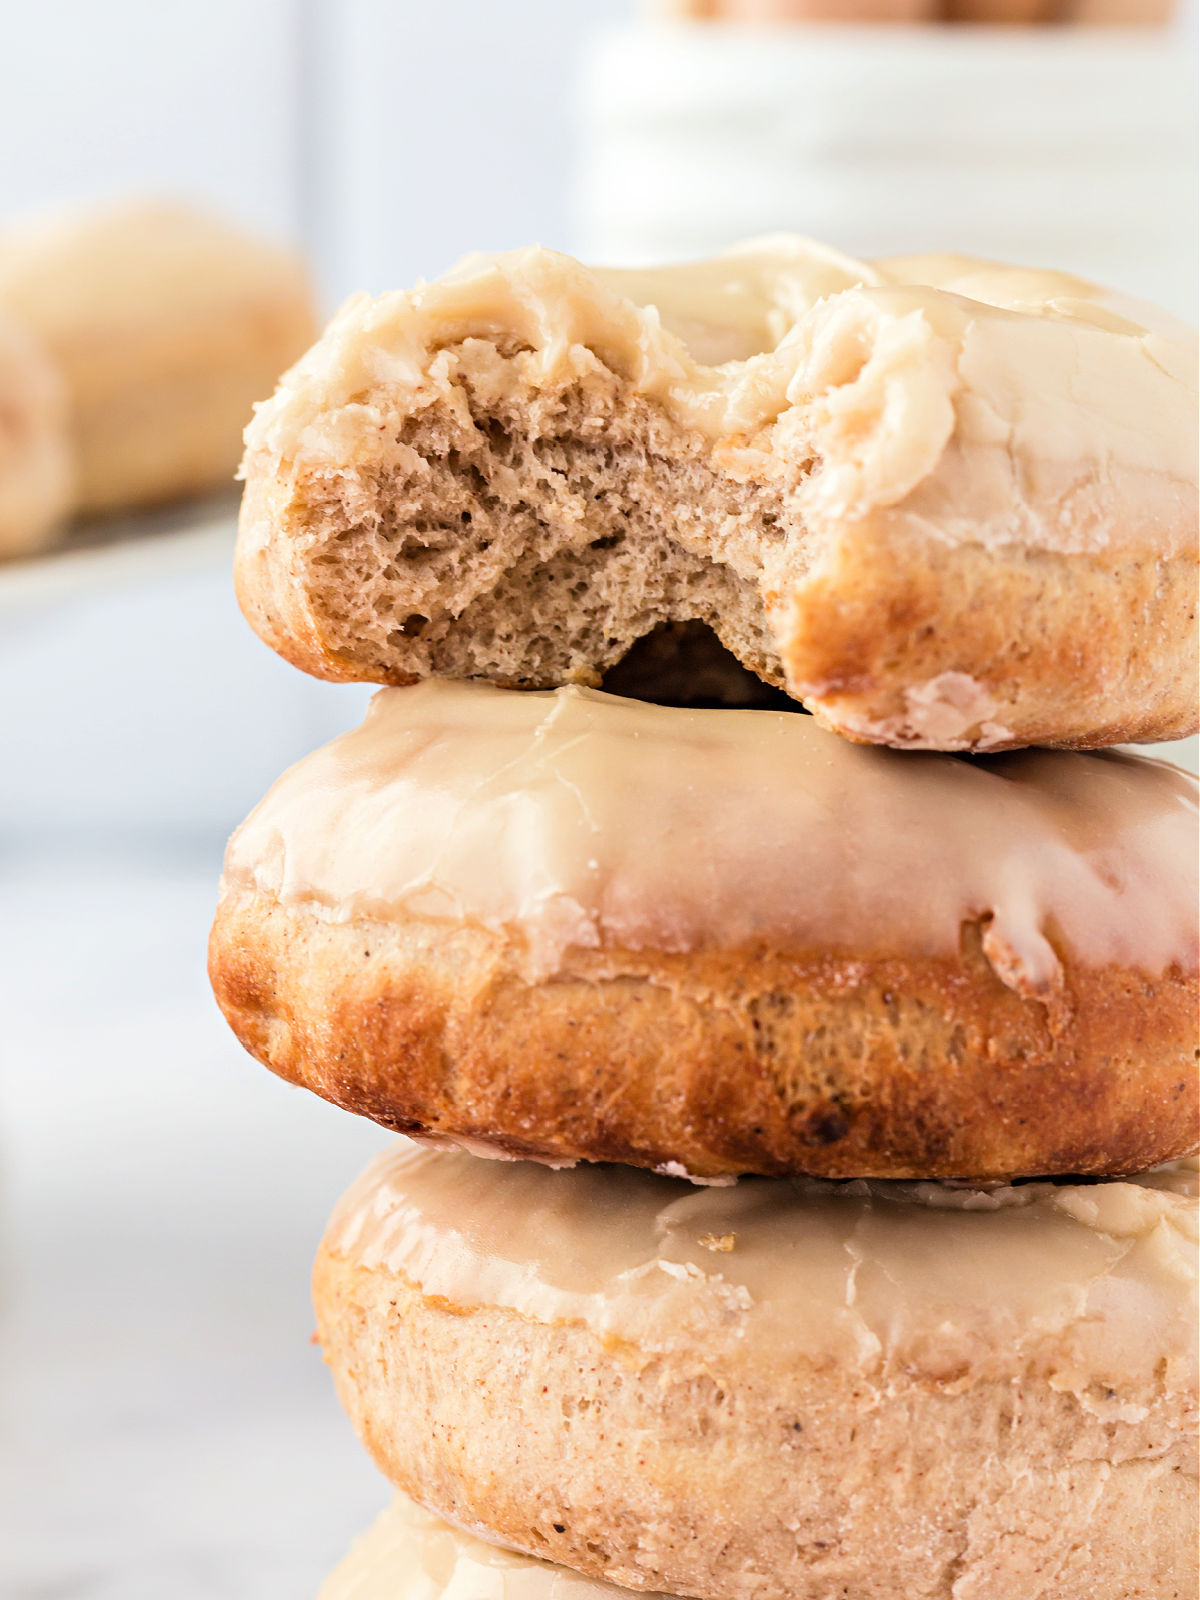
<point x="569" y="926"/>
<point x="946" y="504"/>
<point x="786" y="1390"/>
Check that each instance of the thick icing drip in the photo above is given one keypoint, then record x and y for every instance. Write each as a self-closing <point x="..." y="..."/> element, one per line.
<point x="1091" y="1285"/>
<point x="573" y="819"/>
<point x="1059" y="395"/>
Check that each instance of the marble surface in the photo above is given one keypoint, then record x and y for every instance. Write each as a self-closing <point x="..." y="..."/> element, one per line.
<point x="166" y="1427"/>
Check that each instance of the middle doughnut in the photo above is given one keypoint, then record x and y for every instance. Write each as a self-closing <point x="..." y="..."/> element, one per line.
<point x="569" y="926"/>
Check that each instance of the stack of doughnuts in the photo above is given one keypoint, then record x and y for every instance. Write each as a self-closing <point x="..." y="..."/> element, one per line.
<point x="797" y="1189"/>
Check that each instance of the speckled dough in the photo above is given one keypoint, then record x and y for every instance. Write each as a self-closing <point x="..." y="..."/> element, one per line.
<point x="569" y="926"/>
<point x="946" y="504"/>
<point x="785" y="1391"/>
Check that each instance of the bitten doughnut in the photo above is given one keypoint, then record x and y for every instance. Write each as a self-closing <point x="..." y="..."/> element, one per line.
<point x="570" y="926"/>
<point x="790" y="1390"/>
<point x="948" y="505"/>
<point x="37" y="468"/>
<point x="167" y="325"/>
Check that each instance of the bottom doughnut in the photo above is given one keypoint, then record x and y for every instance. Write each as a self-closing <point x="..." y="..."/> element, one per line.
<point x="409" y="1554"/>
<point x="784" y="1390"/>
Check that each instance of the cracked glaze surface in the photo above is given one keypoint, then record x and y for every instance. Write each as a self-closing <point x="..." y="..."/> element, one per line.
<point x="1090" y="1285"/>
<point x="574" y="819"/>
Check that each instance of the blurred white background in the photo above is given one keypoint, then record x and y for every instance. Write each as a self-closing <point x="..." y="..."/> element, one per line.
<point x="388" y="138"/>
<point x="165" y="1428"/>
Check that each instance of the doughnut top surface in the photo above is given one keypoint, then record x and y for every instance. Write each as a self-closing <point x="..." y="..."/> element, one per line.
<point x="1093" y="1281"/>
<point x="573" y="818"/>
<point x="888" y="359"/>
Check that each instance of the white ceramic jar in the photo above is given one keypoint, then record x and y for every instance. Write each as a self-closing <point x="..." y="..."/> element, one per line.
<point x="1065" y="147"/>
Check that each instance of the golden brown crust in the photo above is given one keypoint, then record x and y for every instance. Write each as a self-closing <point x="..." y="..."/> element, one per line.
<point x="718" y="1061"/>
<point x="1114" y="631"/>
<point x="678" y="1474"/>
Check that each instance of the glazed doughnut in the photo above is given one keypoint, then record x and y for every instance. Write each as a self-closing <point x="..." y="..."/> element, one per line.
<point x="947" y="505"/>
<point x="569" y="926"/>
<point x="167" y="324"/>
<point x="37" y="469"/>
<point x="791" y="1390"/>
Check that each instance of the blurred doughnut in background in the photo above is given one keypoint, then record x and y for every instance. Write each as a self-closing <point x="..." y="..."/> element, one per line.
<point x="162" y="325"/>
<point x="37" y="459"/>
<point x="166" y="324"/>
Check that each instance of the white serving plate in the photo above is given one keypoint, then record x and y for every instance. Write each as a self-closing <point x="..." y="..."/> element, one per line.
<point x="117" y="551"/>
<point x="134" y="699"/>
